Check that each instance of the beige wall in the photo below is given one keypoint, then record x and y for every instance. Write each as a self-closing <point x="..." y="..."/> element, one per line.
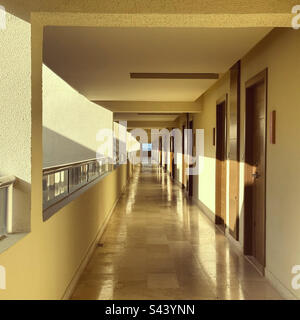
<point x="204" y="183"/>
<point x="42" y="265"/>
<point x="279" y="52"/>
<point x="70" y="122"/>
<point x="181" y="120"/>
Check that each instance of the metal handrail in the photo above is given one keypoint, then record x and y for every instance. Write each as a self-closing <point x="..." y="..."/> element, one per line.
<point x="61" y="181"/>
<point x="7" y="181"/>
<point x="66" y="166"/>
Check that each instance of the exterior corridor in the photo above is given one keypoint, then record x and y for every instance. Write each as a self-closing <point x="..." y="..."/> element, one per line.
<point x="158" y="245"/>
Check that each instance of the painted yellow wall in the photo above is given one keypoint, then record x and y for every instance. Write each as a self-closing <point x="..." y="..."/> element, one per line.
<point x="180" y="121"/>
<point x="204" y="183"/>
<point x="42" y="265"/>
<point x="70" y="122"/>
<point x="280" y="53"/>
<point x="15" y="114"/>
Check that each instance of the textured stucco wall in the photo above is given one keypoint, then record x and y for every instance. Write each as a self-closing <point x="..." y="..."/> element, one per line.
<point x="70" y="122"/>
<point x="15" y="114"/>
<point x="279" y="10"/>
<point x="15" y="99"/>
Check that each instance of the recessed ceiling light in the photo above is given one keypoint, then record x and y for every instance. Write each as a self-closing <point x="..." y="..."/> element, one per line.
<point x="143" y="75"/>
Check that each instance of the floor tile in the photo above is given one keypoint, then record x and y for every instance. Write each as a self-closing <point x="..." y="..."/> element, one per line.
<point x="162" y="281"/>
<point x="159" y="245"/>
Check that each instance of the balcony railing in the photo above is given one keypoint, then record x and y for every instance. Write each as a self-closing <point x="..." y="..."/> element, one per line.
<point x="61" y="181"/>
<point x="6" y="189"/>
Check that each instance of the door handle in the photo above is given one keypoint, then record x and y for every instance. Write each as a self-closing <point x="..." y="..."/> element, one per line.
<point x="256" y="175"/>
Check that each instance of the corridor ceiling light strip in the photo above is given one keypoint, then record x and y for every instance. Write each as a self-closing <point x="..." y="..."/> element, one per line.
<point x="157" y="114"/>
<point x="141" y="75"/>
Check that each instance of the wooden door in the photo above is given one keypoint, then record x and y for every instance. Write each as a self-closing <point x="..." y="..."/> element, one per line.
<point x="255" y="169"/>
<point x="221" y="164"/>
<point x="172" y="156"/>
<point x="160" y="151"/>
<point x="190" y="179"/>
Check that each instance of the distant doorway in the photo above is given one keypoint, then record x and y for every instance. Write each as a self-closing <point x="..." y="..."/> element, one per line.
<point x="190" y="177"/>
<point x="183" y="160"/>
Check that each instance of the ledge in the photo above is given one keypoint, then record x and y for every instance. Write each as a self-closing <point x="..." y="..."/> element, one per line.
<point x="10" y="239"/>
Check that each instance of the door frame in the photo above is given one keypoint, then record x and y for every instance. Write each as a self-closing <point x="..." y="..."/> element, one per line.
<point x="261" y="77"/>
<point x="218" y="219"/>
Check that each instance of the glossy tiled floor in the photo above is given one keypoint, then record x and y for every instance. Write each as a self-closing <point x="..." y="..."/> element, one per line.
<point x="160" y="246"/>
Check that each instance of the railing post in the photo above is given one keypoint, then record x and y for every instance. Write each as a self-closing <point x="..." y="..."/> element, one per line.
<point x="69" y="181"/>
<point x="9" y="209"/>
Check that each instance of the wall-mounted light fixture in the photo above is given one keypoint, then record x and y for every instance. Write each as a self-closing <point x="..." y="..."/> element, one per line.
<point x="273" y="127"/>
<point x="214" y="136"/>
<point x="186" y="76"/>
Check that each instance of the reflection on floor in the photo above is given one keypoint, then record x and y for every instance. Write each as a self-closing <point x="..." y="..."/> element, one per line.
<point x="160" y="246"/>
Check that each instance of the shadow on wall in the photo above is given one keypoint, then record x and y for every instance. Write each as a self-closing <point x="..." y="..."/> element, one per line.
<point x="58" y="149"/>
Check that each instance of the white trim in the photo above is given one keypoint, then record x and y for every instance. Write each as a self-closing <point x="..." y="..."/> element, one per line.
<point x="234" y="242"/>
<point x="72" y="285"/>
<point x="178" y="182"/>
<point x="211" y="216"/>
<point x="281" y="288"/>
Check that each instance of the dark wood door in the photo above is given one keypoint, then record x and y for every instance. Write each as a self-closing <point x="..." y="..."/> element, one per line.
<point x="190" y="178"/>
<point x="255" y="173"/>
<point x="258" y="172"/>
<point x="160" y="151"/>
<point x="221" y="164"/>
<point x="172" y="147"/>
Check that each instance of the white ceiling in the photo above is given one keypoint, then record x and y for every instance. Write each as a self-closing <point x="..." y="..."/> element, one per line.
<point x="97" y="61"/>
